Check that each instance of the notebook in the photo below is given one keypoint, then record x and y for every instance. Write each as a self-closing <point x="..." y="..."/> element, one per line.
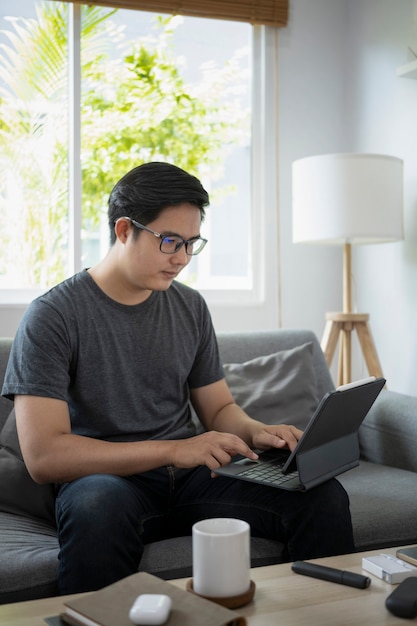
<point x="328" y="447"/>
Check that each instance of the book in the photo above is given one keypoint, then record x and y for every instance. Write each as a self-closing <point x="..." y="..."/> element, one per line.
<point x="408" y="554"/>
<point x="110" y="606"/>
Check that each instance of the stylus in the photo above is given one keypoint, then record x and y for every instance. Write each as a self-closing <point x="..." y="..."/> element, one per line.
<point x="331" y="574"/>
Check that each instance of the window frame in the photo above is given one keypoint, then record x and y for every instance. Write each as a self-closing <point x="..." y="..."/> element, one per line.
<point x="264" y="169"/>
<point x="269" y="12"/>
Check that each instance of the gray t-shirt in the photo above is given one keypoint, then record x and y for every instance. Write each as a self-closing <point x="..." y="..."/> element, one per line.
<point x="125" y="371"/>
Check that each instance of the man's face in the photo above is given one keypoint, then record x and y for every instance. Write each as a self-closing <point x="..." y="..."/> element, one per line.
<point x="144" y="266"/>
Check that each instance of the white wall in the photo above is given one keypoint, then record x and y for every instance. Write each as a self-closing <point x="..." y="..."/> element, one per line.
<point x="311" y="121"/>
<point x="384" y="120"/>
<point x="339" y="92"/>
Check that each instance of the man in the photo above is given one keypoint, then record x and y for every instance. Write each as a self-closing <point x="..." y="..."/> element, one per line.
<point x="102" y="370"/>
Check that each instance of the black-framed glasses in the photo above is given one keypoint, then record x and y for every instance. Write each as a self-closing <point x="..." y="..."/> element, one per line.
<point x="170" y="244"/>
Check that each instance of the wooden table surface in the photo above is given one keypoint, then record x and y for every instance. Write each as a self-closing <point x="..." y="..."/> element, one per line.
<point x="281" y="597"/>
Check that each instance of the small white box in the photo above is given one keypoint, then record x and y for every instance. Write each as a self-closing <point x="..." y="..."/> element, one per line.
<point x="389" y="568"/>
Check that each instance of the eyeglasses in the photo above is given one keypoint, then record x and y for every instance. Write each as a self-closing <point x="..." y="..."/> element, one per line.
<point x="172" y="243"/>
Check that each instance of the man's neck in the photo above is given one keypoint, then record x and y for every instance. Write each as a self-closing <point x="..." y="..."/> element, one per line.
<point x="113" y="284"/>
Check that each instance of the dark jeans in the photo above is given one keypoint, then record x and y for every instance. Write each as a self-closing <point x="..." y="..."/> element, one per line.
<point x="104" y="521"/>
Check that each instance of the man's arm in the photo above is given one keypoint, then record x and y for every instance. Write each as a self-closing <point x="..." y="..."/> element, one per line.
<point x="53" y="454"/>
<point x="217" y="410"/>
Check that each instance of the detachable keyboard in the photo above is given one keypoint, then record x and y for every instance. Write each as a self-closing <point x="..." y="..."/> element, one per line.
<point x="267" y="473"/>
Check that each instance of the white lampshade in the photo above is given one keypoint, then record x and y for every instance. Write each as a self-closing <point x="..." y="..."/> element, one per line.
<point x="347" y="198"/>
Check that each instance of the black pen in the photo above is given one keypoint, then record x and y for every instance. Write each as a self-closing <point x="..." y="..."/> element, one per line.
<point x="331" y="574"/>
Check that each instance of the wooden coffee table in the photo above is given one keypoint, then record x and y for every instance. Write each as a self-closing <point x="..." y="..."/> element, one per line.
<point x="281" y="597"/>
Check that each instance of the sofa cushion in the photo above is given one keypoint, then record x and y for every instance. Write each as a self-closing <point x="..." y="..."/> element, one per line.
<point x="19" y="494"/>
<point x="278" y="388"/>
<point x="172" y="558"/>
<point x="383" y="504"/>
<point x="388" y="435"/>
<point x="28" y="559"/>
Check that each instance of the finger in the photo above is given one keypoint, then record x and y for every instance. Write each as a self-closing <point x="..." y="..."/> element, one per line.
<point x="233" y="445"/>
<point x="296" y="432"/>
<point x="221" y="457"/>
<point x="291" y="442"/>
<point x="279" y="442"/>
<point x="296" y="435"/>
<point x="248" y="453"/>
<point x="283" y="440"/>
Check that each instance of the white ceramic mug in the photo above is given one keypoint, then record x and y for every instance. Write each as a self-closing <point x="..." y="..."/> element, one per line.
<point x="221" y="557"/>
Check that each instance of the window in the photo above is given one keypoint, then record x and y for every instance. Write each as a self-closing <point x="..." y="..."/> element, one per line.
<point x="73" y="120"/>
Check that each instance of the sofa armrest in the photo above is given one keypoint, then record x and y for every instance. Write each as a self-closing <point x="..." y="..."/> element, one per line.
<point x="388" y="434"/>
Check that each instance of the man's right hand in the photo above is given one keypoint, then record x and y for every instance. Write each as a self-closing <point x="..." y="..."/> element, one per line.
<point x="213" y="449"/>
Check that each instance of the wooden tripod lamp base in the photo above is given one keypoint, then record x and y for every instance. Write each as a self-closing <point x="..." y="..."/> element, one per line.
<point x="340" y="326"/>
<point x="348" y="199"/>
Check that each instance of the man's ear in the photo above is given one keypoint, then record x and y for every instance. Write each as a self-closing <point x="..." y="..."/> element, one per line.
<point x="122" y="228"/>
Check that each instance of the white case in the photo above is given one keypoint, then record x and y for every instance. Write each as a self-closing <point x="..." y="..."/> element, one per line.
<point x="389" y="568"/>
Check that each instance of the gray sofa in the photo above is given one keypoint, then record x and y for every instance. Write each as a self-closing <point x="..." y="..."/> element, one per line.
<point x="276" y="375"/>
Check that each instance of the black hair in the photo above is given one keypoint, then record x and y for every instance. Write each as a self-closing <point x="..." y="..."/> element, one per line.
<point x="146" y="190"/>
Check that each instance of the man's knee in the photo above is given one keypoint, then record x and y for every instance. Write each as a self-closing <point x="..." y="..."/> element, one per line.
<point x="94" y="499"/>
<point x="333" y="496"/>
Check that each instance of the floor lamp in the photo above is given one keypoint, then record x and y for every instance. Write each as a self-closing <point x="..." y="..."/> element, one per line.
<point x="348" y="199"/>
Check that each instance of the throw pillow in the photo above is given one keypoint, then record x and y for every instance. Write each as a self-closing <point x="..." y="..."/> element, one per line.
<point x="278" y="388"/>
<point x="19" y="494"/>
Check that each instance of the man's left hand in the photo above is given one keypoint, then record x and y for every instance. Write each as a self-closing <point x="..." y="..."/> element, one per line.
<point x="280" y="436"/>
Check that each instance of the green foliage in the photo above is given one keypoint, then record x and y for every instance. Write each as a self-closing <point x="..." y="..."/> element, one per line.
<point x="134" y="108"/>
